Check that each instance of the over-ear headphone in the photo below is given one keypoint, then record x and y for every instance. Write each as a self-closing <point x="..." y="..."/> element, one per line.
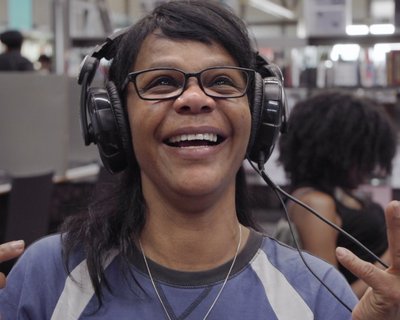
<point x="107" y="126"/>
<point x="104" y="121"/>
<point x="269" y="111"/>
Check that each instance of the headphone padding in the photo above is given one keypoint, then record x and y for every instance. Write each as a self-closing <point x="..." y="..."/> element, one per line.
<point x="120" y="118"/>
<point x="256" y="110"/>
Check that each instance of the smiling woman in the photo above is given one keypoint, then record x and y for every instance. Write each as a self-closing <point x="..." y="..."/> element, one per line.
<point x="173" y="237"/>
<point x="203" y="169"/>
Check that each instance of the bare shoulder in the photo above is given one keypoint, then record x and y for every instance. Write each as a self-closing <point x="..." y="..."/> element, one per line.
<point x="318" y="200"/>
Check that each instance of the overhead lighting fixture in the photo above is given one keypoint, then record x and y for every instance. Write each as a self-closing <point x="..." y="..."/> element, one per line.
<point x="272" y="8"/>
<point x="357" y="30"/>
<point x="381" y="29"/>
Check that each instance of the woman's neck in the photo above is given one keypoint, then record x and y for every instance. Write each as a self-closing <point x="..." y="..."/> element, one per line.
<point x="194" y="242"/>
<point x="191" y="231"/>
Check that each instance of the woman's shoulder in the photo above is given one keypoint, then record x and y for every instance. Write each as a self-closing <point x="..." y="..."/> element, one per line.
<point x="319" y="200"/>
<point x="285" y="257"/>
<point x="41" y="252"/>
<point x="311" y="195"/>
<point x="47" y="251"/>
<point x="296" y="264"/>
<point x="281" y="254"/>
<point x="44" y="247"/>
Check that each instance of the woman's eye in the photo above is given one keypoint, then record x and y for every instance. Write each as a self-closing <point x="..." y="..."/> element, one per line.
<point x="162" y="81"/>
<point x="222" y="81"/>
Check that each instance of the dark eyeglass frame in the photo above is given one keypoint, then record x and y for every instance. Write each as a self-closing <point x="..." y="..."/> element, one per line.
<point x="131" y="77"/>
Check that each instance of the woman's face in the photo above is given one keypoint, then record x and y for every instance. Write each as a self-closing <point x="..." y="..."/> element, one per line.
<point x="171" y="167"/>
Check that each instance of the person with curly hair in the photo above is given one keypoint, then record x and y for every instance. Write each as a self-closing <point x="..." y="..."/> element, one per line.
<point x="336" y="142"/>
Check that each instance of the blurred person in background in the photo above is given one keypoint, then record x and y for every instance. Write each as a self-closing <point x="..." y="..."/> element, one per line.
<point x="11" y="59"/>
<point x="335" y="143"/>
<point x="44" y="64"/>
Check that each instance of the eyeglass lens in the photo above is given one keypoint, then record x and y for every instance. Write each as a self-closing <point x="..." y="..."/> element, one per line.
<point x="167" y="83"/>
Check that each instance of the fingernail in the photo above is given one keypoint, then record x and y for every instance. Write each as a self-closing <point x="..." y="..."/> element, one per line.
<point x="341" y="252"/>
<point x="18" y="245"/>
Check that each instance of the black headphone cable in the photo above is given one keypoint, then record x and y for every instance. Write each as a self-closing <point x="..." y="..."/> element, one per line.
<point x="278" y="192"/>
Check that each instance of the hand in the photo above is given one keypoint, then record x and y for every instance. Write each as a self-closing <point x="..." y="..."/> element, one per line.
<point x="9" y="250"/>
<point x="382" y="299"/>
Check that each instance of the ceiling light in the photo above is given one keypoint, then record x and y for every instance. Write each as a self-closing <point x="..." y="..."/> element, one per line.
<point x="381" y="28"/>
<point x="357" y="30"/>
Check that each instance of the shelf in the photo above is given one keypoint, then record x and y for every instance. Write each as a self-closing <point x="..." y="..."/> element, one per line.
<point x="362" y="40"/>
<point x="385" y="95"/>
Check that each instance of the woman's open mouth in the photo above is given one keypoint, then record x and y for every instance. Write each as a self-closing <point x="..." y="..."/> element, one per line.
<point x="194" y="140"/>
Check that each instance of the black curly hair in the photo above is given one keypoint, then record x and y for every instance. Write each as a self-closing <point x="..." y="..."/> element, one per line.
<point x="337" y="139"/>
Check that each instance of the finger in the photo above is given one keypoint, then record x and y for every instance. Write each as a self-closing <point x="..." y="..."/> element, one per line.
<point x="392" y="214"/>
<point x="366" y="271"/>
<point x="2" y="280"/>
<point x="10" y="250"/>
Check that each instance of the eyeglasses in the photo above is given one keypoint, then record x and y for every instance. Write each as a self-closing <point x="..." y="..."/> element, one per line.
<point x="168" y="83"/>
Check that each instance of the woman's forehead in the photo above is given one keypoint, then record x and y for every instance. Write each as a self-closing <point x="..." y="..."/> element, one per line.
<point x="160" y="51"/>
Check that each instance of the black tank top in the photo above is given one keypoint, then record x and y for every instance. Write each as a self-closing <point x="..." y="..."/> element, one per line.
<point x="368" y="226"/>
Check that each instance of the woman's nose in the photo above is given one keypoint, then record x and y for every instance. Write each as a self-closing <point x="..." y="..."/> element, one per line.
<point x="194" y="100"/>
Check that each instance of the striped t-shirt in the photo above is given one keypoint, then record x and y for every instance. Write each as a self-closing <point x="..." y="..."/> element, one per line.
<point x="269" y="281"/>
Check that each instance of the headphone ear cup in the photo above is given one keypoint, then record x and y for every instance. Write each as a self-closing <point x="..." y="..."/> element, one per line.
<point x="121" y="131"/>
<point x="268" y="120"/>
<point x="256" y="111"/>
<point x="105" y="127"/>
<point x="102" y="116"/>
<point x="120" y="118"/>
